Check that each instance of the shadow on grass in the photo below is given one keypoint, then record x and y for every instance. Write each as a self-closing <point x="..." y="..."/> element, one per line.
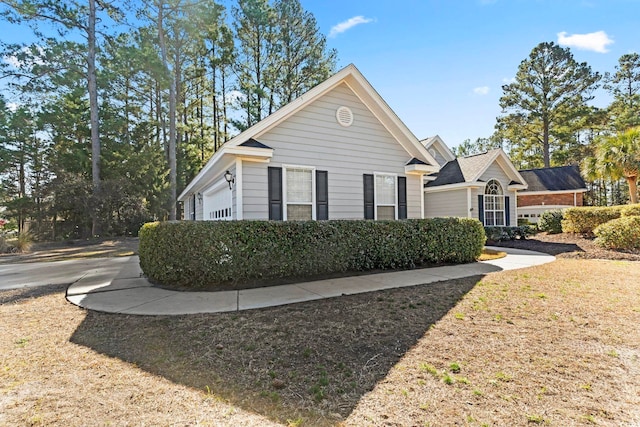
<point x="311" y="361"/>
<point x="17" y="295"/>
<point x="551" y="248"/>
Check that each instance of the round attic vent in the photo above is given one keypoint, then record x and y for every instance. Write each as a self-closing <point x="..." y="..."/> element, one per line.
<point x="344" y="116"/>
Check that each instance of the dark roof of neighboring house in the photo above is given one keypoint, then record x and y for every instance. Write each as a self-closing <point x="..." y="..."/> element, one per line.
<point x="253" y="143"/>
<point x="553" y="179"/>
<point x="462" y="169"/>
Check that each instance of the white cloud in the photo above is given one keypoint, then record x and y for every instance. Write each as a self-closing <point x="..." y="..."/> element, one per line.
<point x="349" y="23"/>
<point x="508" y="81"/>
<point x="30" y="58"/>
<point x="596" y="42"/>
<point x="12" y="106"/>
<point x="482" y="90"/>
<point x="234" y="96"/>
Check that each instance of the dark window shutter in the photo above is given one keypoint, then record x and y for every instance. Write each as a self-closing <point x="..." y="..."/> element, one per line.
<point x="322" y="195"/>
<point x="481" y="208"/>
<point x="402" y="197"/>
<point x="192" y="214"/>
<point x="368" y="197"/>
<point x="507" y="213"/>
<point x="275" y="193"/>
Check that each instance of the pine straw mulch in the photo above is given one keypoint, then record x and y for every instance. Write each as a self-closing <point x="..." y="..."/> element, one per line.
<point x="556" y="344"/>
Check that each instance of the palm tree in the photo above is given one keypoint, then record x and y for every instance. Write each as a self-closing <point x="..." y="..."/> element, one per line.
<point x="617" y="157"/>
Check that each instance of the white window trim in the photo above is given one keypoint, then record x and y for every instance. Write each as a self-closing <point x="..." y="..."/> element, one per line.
<point x="375" y="194"/>
<point x="495" y="211"/>
<point x="285" y="202"/>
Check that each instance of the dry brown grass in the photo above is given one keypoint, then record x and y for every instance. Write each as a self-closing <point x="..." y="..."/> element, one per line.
<point x="557" y="344"/>
<point x="64" y="251"/>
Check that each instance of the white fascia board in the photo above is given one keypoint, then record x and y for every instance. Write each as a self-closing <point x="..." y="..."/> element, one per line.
<point x="510" y="170"/>
<point x="260" y="153"/>
<point x="461" y="185"/>
<point x="387" y="117"/>
<point x="516" y="187"/>
<point x="544" y="193"/>
<point x="420" y="169"/>
<point x="546" y="207"/>
<point x="444" y="149"/>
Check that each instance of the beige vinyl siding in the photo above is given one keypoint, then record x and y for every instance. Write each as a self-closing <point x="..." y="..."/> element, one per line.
<point x="255" y="197"/>
<point x="446" y="204"/>
<point x="438" y="156"/>
<point x="313" y="137"/>
<point x="496" y="172"/>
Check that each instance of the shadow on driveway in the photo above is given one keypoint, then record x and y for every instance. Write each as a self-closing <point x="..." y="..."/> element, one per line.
<point x="312" y="360"/>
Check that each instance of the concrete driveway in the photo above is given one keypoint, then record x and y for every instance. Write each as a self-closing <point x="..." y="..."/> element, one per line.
<point x="14" y="276"/>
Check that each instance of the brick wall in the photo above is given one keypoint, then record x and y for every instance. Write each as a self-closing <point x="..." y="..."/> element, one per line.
<point x="549" y="199"/>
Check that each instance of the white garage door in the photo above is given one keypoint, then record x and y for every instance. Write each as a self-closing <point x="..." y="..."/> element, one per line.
<point x="217" y="204"/>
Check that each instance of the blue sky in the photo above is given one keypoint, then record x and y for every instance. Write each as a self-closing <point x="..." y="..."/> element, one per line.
<point x="440" y="64"/>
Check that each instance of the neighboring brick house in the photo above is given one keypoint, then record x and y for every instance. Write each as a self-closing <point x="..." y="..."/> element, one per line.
<point x="550" y="188"/>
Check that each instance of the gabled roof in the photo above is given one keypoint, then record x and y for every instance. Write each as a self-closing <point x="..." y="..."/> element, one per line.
<point x="563" y="178"/>
<point x="436" y="143"/>
<point x="469" y="169"/>
<point x="350" y="76"/>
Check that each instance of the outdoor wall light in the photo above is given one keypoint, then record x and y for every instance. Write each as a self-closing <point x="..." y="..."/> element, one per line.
<point x="228" y="176"/>
<point x="200" y="197"/>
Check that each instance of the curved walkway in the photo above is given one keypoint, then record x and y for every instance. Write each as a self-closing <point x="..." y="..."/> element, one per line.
<point x="123" y="290"/>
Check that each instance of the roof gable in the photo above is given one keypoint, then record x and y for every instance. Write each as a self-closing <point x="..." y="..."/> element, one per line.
<point x="471" y="168"/>
<point x="563" y="178"/>
<point x="356" y="82"/>
<point x="436" y="143"/>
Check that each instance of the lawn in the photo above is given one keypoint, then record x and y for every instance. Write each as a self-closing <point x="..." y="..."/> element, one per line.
<point x="557" y="344"/>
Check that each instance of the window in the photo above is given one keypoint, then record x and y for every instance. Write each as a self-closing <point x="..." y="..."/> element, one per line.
<point x="299" y="194"/>
<point x="494" y="211"/>
<point x="385" y="196"/>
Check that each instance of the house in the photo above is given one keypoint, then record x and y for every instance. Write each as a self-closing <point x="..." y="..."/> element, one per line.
<point x="482" y="186"/>
<point x="550" y="188"/>
<point x="336" y="152"/>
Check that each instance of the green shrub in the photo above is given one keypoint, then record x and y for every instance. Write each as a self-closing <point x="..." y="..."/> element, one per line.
<point x="584" y="220"/>
<point x="621" y="233"/>
<point x="551" y="221"/>
<point x="631" y="210"/>
<point x="202" y="253"/>
<point x="499" y="233"/>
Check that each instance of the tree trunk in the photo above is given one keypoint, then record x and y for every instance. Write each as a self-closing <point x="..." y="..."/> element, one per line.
<point x="172" y="117"/>
<point x="633" y="188"/>
<point x="545" y="143"/>
<point x="93" y="107"/>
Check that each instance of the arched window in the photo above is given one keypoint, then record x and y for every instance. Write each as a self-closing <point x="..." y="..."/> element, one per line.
<point x="494" y="204"/>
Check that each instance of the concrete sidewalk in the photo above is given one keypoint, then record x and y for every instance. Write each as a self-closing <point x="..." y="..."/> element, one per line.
<point x="126" y="291"/>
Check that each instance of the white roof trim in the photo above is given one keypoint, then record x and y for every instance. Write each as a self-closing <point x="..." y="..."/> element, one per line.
<point x="457" y="186"/>
<point x="511" y="171"/>
<point x="420" y="169"/>
<point x="349" y="75"/>
<point x="543" y="193"/>
<point x="443" y="148"/>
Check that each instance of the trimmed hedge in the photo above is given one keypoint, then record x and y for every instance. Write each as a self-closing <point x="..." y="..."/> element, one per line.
<point x="584" y="220"/>
<point x="621" y="233"/>
<point x="197" y="254"/>
<point x="503" y="233"/>
<point x="631" y="210"/>
<point x="551" y="221"/>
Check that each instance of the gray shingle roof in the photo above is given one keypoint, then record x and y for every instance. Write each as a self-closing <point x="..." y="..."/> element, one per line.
<point x="554" y="179"/>
<point x="462" y="169"/>
<point x="253" y="143"/>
